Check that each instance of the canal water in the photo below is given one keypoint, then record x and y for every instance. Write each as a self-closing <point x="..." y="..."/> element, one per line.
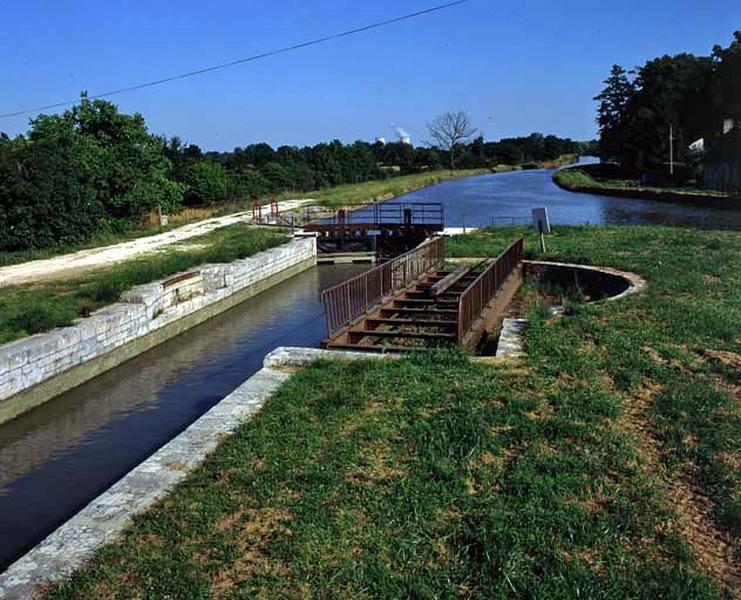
<point x="507" y="198"/>
<point x="58" y="457"/>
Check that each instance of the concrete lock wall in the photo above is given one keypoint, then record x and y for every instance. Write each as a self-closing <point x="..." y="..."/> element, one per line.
<point x="38" y="368"/>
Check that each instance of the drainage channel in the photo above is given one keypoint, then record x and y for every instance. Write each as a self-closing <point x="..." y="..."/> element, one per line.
<point x="58" y="457"/>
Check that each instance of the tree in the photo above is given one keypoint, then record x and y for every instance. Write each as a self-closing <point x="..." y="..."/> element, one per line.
<point x="115" y="154"/>
<point x="43" y="202"/>
<point x="278" y="176"/>
<point x="206" y="183"/>
<point x="614" y="98"/>
<point x="451" y="129"/>
<point x="611" y="111"/>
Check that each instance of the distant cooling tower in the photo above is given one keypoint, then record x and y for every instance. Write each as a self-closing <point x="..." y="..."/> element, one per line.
<point x="404" y="137"/>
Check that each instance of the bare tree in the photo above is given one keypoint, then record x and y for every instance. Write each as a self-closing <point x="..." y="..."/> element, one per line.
<point x="450" y="129"/>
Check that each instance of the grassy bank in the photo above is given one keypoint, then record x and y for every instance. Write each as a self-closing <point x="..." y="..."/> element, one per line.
<point x="29" y="309"/>
<point x="603" y="465"/>
<point x="369" y="191"/>
<point x="577" y="179"/>
<point x="561" y="161"/>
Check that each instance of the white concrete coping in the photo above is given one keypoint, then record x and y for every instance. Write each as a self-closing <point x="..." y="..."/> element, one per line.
<point x="101" y="521"/>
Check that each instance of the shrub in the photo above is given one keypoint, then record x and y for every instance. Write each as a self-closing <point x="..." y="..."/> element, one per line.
<point x="206" y="183"/>
<point x="43" y="201"/>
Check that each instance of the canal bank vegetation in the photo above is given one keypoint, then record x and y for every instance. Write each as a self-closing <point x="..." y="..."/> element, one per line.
<point x="603" y="464"/>
<point x="333" y="197"/>
<point x="589" y="179"/>
<point x="371" y="191"/>
<point x="674" y="121"/>
<point x="34" y="308"/>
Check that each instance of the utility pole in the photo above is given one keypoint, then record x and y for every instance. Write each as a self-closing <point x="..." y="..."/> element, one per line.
<point x="671" y="150"/>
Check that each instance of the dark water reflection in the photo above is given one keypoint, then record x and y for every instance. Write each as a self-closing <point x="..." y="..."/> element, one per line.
<point x="506" y="198"/>
<point x="57" y="458"/>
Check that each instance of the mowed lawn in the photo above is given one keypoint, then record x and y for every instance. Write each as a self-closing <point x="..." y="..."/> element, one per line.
<point x="602" y="465"/>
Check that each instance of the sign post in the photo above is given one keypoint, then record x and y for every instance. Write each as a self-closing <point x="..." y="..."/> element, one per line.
<point x="542" y="224"/>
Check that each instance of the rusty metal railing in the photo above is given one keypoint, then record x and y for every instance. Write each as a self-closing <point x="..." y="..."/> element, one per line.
<point x="348" y="300"/>
<point x="477" y="295"/>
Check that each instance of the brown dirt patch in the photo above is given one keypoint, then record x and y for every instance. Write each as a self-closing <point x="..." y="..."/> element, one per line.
<point x="228" y="522"/>
<point x="379" y="471"/>
<point x="177" y="465"/>
<point x="724" y="357"/>
<point x="665" y="361"/>
<point x="730" y="459"/>
<point x="442" y="553"/>
<point x="711" y="546"/>
<point x="373" y="408"/>
<point x="375" y="475"/>
<point x="587" y="556"/>
<point x="252" y="529"/>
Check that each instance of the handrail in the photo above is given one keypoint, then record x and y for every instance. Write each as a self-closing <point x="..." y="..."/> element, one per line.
<point x="346" y="301"/>
<point x="381" y="213"/>
<point x="477" y="295"/>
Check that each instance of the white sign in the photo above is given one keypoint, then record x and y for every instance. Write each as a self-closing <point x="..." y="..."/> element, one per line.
<point x="540" y="220"/>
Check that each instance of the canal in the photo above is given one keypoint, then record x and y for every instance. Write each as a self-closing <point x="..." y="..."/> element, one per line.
<point x="506" y="199"/>
<point x="58" y="457"/>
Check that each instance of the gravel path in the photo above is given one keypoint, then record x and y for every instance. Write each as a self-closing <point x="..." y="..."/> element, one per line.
<point x="92" y="258"/>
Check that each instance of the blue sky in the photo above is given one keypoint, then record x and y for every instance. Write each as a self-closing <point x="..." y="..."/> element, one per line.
<point x="516" y="67"/>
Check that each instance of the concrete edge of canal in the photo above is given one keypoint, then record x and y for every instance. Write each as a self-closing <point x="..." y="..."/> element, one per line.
<point x="74" y="542"/>
<point x="36" y="369"/>
<point x="103" y="519"/>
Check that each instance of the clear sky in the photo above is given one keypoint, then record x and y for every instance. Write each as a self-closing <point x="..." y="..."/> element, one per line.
<point x="517" y="67"/>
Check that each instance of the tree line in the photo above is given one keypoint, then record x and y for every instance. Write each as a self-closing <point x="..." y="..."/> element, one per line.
<point x="94" y="169"/>
<point x="685" y="96"/>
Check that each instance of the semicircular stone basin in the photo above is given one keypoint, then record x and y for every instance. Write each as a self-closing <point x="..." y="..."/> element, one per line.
<point x="598" y="283"/>
<point x="595" y="283"/>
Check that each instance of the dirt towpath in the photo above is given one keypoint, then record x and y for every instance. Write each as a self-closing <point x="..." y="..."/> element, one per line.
<point x="93" y="258"/>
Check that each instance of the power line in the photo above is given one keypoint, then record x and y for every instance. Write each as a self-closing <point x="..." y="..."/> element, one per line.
<point x="244" y="60"/>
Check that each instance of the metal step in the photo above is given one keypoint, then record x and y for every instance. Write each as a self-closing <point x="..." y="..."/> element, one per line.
<point x="400" y="334"/>
<point x="375" y="349"/>
<point x="423" y="302"/>
<point x="412" y="321"/>
<point x="417" y="311"/>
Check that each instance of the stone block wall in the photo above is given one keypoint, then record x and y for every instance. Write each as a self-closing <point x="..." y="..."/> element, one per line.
<point x="141" y="311"/>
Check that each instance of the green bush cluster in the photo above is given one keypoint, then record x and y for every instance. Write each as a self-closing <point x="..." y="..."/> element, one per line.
<point x="78" y="173"/>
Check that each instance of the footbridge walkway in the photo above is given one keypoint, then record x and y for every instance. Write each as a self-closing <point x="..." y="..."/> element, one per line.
<point x="413" y="302"/>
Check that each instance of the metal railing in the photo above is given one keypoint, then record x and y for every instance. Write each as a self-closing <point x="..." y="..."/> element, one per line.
<point x="383" y="213"/>
<point x="477" y="295"/>
<point x="350" y="299"/>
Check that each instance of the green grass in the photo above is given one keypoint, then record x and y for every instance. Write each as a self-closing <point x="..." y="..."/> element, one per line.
<point x="438" y="477"/>
<point x="361" y="193"/>
<point x="29" y="309"/>
<point x="576" y="179"/>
